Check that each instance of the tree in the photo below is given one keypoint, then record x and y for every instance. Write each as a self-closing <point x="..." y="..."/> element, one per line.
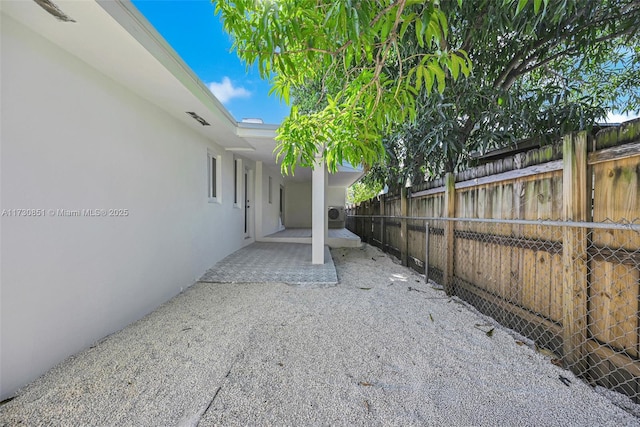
<point x="361" y="191"/>
<point x="351" y="51"/>
<point x="539" y="71"/>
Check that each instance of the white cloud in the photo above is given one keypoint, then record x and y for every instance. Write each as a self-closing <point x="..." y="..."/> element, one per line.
<point x="225" y="91"/>
<point x="619" y="118"/>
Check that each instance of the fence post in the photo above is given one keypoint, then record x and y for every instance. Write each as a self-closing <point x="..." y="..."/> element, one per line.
<point x="404" y="240"/>
<point x="449" y="212"/>
<point x="574" y="251"/>
<point x="426" y="252"/>
<point x="382" y="212"/>
<point x="368" y="223"/>
<point x="360" y="223"/>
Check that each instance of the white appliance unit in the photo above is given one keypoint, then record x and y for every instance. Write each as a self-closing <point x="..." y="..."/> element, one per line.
<point x="336" y="217"/>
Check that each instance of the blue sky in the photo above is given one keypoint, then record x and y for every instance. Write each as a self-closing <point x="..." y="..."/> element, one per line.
<point x="193" y="31"/>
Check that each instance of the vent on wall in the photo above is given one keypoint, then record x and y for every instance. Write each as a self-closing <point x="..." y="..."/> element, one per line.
<point x="54" y="10"/>
<point x="197" y="118"/>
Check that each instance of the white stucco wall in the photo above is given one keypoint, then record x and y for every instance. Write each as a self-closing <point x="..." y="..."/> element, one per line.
<point x="298" y="205"/>
<point x="271" y="211"/>
<point x="74" y="139"/>
<point x="336" y="196"/>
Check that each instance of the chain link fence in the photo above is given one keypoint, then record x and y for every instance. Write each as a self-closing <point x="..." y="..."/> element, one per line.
<point x="573" y="288"/>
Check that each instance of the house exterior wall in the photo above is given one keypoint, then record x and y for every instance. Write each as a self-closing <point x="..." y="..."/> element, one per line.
<point x="73" y="139"/>
<point x="336" y="196"/>
<point x="271" y="210"/>
<point x="298" y="205"/>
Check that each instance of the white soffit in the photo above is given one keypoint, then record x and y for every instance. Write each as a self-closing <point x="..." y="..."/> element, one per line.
<point x="261" y="137"/>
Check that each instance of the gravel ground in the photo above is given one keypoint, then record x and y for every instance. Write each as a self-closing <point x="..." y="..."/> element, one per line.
<point x="381" y="348"/>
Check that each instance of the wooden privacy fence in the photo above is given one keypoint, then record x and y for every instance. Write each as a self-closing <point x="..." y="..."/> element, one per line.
<point x="546" y="242"/>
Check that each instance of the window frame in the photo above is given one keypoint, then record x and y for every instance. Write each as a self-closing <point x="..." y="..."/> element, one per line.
<point x="237" y="183"/>
<point x="214" y="177"/>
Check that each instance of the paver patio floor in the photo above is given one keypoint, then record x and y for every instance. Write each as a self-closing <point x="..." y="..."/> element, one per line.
<point x="260" y="262"/>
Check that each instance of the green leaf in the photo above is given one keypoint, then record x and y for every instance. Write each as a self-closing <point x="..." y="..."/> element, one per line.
<point x="536" y="6"/>
<point x="404" y="26"/>
<point x="356" y="23"/>
<point x="386" y="28"/>
<point x="286" y="90"/>
<point x="420" y="33"/>
<point x="428" y="80"/>
<point x="443" y="23"/>
<point x="348" y="59"/>
<point x="439" y="75"/>
<point x="454" y="67"/>
<point x="419" y="73"/>
<point x="521" y="5"/>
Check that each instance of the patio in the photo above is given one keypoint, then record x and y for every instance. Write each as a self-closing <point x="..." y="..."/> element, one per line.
<point x="336" y="237"/>
<point x="264" y="262"/>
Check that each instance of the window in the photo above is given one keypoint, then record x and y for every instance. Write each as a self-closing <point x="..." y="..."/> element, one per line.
<point x="270" y="191"/>
<point x="213" y="187"/>
<point x="214" y="168"/>
<point x="237" y="179"/>
<point x="235" y="182"/>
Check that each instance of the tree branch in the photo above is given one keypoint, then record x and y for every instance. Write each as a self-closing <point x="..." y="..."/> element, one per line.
<point x="520" y="65"/>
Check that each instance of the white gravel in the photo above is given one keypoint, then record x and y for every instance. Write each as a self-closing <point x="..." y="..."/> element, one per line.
<point x="366" y="352"/>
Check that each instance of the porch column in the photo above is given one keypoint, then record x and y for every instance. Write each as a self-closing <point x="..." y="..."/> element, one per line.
<point x="318" y="211"/>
